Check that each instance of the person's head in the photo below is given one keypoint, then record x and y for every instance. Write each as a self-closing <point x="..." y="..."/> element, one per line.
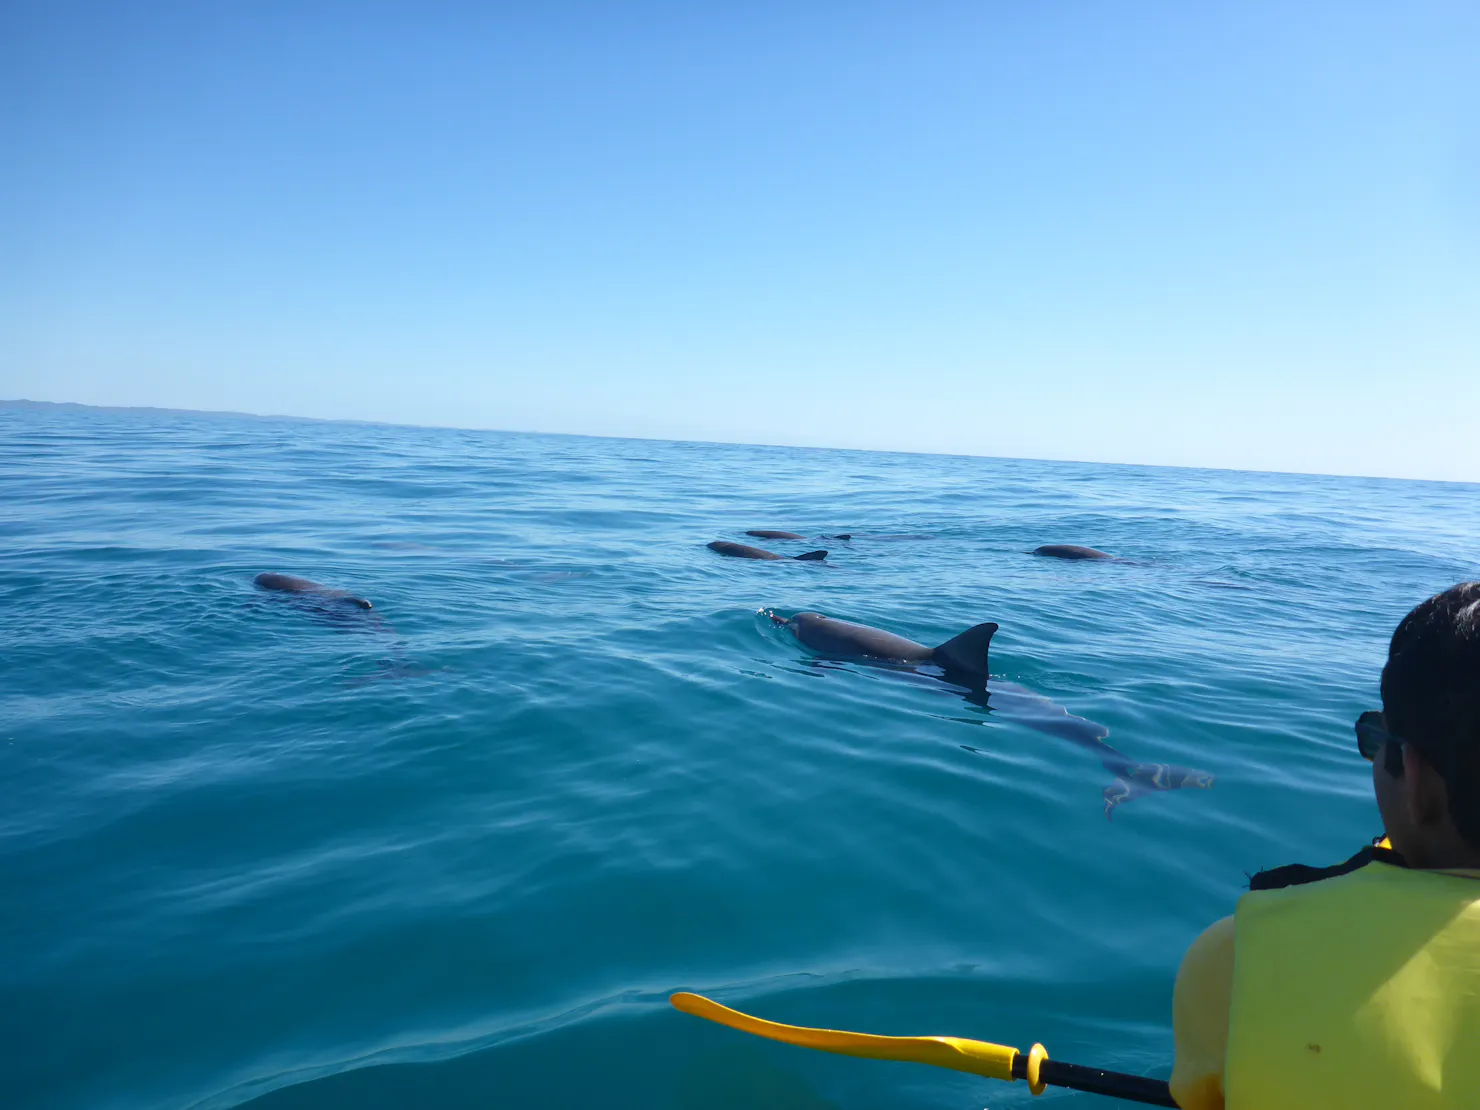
<point x="1427" y="771"/>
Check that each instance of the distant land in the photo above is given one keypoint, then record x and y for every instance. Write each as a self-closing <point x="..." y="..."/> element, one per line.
<point x="149" y="410"/>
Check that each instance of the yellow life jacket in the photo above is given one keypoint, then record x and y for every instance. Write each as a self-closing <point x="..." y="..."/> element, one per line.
<point x="1357" y="991"/>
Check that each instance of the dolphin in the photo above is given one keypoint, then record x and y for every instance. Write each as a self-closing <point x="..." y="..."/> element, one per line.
<point x="964" y="661"/>
<point x="767" y="534"/>
<point x="1070" y="551"/>
<point x="338" y="607"/>
<point x="964" y="656"/>
<point x="1132" y="779"/>
<point x="745" y="551"/>
<point x="288" y="583"/>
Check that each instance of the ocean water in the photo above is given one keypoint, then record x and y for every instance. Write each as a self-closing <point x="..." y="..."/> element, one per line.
<point x="457" y="851"/>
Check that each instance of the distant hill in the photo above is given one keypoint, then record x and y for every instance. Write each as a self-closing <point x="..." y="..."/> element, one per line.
<point x="143" y="410"/>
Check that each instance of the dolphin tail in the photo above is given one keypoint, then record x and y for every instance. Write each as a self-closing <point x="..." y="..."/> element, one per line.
<point x="1117" y="793"/>
<point x="967" y="652"/>
<point x="1134" y="779"/>
<point x="811" y="556"/>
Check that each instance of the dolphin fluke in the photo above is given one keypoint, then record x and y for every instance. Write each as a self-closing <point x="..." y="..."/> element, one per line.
<point x="811" y="556"/>
<point x="1117" y="792"/>
<point x="967" y="653"/>
<point x="1134" y="779"/>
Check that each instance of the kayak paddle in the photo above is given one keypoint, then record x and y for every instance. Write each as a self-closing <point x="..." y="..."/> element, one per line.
<point x="995" y="1061"/>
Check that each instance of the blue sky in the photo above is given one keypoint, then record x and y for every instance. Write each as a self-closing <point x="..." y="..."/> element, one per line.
<point x="1242" y="234"/>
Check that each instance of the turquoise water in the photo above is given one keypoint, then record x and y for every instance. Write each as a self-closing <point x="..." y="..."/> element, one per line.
<point x="457" y="851"/>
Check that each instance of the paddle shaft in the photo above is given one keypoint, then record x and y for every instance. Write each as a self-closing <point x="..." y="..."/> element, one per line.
<point x="1096" y="1081"/>
<point x="992" y="1061"/>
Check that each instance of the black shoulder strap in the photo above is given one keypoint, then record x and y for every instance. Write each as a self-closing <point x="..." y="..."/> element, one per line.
<point x="1298" y="874"/>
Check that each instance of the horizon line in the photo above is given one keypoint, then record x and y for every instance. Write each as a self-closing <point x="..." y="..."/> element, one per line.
<point x="24" y="403"/>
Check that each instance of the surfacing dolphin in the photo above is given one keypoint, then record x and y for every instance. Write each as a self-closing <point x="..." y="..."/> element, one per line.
<point x="745" y="551"/>
<point x="963" y="661"/>
<point x="963" y="656"/>
<point x="291" y="584"/>
<point x="1070" y="551"/>
<point x="341" y="609"/>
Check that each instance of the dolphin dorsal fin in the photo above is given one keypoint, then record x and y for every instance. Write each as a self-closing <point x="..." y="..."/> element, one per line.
<point x="811" y="556"/>
<point x="968" y="651"/>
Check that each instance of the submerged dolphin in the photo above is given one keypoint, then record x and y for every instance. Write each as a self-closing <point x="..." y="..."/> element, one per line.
<point x="1070" y="551"/>
<point x="964" y="661"/>
<point x="768" y="534"/>
<point x="745" y="551"/>
<point x="288" y="583"/>
<point x="1132" y="779"/>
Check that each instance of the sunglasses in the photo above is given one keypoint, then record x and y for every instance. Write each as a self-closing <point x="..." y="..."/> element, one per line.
<point x="1372" y="734"/>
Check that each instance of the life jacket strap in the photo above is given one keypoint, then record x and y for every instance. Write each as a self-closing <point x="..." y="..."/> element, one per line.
<point x="1298" y="874"/>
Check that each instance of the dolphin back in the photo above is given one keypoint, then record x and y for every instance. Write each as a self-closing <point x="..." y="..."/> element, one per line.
<point x="742" y="550"/>
<point x="1070" y="551"/>
<point x="292" y="584"/>
<point x="288" y="583"/>
<point x="967" y="653"/>
<point x="811" y="556"/>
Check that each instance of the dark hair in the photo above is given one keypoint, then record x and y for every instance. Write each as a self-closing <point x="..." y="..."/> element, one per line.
<point x="1431" y="694"/>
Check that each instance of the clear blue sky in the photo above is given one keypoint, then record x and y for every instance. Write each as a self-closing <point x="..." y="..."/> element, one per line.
<point x="1227" y="234"/>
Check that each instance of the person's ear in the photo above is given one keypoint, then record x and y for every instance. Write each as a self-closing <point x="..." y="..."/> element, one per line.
<point x="1424" y="790"/>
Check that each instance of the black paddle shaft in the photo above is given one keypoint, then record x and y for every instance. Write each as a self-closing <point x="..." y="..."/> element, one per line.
<point x="1097" y="1081"/>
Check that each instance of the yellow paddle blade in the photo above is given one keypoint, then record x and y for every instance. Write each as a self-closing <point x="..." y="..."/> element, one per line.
<point x="977" y="1057"/>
